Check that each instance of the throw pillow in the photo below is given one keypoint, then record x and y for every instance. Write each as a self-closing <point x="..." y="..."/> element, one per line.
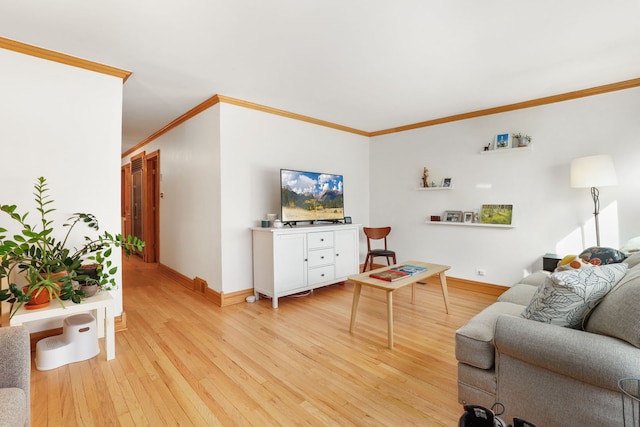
<point x="602" y="256"/>
<point x="617" y="314"/>
<point x="572" y="262"/>
<point x="566" y="297"/>
<point x="632" y="245"/>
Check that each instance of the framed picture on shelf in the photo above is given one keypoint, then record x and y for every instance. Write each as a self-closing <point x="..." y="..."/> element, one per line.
<point x="502" y="141"/>
<point x="496" y="214"/>
<point x="468" y="217"/>
<point x="446" y="182"/>
<point x="452" y="216"/>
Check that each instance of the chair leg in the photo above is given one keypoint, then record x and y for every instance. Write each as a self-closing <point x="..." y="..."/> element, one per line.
<point x="366" y="260"/>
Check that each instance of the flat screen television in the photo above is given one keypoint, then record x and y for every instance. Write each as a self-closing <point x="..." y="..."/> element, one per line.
<point x="310" y="196"/>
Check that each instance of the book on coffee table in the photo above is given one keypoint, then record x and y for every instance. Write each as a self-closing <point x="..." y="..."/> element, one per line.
<point x="410" y="269"/>
<point x="389" y="275"/>
<point x="397" y="273"/>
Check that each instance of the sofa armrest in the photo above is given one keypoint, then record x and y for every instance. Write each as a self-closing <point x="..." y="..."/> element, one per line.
<point x="15" y="361"/>
<point x="590" y="358"/>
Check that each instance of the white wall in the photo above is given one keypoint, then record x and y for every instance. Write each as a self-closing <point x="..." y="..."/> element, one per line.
<point x="255" y="145"/>
<point x="220" y="175"/>
<point x="550" y="216"/>
<point x="190" y="185"/>
<point x="63" y="123"/>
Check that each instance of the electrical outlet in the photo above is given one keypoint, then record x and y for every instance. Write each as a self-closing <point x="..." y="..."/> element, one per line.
<point x="481" y="272"/>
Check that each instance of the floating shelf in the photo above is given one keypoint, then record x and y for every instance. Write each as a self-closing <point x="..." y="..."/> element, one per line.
<point x="434" y="188"/>
<point x="507" y="150"/>
<point x="471" y="224"/>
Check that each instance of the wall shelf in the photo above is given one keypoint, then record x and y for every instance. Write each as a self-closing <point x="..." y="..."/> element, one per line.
<point x="471" y="224"/>
<point x="507" y="150"/>
<point x="434" y="188"/>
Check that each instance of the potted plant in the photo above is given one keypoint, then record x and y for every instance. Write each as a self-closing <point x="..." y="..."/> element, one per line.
<point x="90" y="284"/>
<point x="521" y="139"/>
<point x="48" y="265"/>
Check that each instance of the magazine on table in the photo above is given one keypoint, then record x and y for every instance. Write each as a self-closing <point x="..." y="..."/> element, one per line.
<point x="397" y="273"/>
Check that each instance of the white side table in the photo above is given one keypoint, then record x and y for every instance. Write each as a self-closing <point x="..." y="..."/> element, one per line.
<point x="100" y="305"/>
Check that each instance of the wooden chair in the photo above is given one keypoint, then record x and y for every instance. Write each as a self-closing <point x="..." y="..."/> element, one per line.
<point x="377" y="234"/>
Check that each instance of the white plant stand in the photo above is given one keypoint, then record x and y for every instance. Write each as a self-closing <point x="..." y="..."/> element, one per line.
<point x="100" y="305"/>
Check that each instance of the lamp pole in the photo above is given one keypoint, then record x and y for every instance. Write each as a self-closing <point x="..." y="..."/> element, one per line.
<point x="595" y="194"/>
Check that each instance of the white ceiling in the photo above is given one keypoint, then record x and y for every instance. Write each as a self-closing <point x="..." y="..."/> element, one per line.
<point x="365" y="64"/>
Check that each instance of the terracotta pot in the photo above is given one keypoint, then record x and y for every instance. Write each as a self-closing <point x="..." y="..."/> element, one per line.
<point x="38" y="300"/>
<point x="41" y="298"/>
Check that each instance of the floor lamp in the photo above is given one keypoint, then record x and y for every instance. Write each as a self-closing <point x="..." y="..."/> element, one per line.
<point x="593" y="171"/>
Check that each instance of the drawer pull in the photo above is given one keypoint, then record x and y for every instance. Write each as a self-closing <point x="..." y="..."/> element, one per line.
<point x="322" y="275"/>
<point x="322" y="240"/>
<point x="322" y="257"/>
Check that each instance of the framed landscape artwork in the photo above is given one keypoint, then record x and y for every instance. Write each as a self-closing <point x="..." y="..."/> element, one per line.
<point x="496" y="214"/>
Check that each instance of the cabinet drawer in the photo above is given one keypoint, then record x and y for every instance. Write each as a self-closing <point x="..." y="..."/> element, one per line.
<point x="320" y="257"/>
<point x="320" y="274"/>
<point x="320" y="240"/>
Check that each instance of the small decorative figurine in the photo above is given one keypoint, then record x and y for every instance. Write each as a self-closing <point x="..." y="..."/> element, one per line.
<point x="425" y="178"/>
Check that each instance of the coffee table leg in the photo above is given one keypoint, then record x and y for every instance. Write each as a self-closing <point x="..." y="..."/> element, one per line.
<point x="390" y="317"/>
<point x="354" y="305"/>
<point x="413" y="293"/>
<point x="445" y="292"/>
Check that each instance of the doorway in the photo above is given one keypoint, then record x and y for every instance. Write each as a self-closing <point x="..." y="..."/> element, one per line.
<point x="141" y="202"/>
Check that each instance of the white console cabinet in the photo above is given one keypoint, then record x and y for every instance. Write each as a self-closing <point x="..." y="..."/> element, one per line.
<point x="291" y="260"/>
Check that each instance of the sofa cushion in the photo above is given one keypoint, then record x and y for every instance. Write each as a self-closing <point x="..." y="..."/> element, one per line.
<point x="535" y="279"/>
<point x="566" y="296"/>
<point x="602" y="256"/>
<point x="13" y="407"/>
<point x="474" y="340"/>
<point x="617" y="314"/>
<point x="520" y="293"/>
<point x="633" y="260"/>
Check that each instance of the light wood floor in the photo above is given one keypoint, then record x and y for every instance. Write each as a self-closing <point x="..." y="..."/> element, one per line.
<point x="183" y="361"/>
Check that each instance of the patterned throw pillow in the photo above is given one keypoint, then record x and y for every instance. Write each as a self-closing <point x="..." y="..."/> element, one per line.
<point x="602" y="256"/>
<point x="566" y="297"/>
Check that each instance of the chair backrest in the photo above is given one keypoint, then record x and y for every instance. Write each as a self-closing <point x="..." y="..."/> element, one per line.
<point x="376" y="234"/>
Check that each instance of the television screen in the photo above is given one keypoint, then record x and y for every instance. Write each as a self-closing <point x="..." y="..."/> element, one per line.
<point x="310" y="196"/>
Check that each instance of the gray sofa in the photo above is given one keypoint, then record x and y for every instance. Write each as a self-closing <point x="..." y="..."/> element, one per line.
<point x="552" y="375"/>
<point x="15" y="376"/>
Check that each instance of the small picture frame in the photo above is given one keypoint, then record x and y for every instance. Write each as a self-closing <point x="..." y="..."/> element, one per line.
<point x="468" y="217"/>
<point x="446" y="182"/>
<point x="435" y="218"/>
<point x="452" y="216"/>
<point x="502" y="141"/>
<point x="347" y="220"/>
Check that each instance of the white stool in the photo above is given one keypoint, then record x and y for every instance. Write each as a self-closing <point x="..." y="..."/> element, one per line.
<point x="79" y="341"/>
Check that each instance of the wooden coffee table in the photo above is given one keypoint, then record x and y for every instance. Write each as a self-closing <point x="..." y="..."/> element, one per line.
<point x="364" y="279"/>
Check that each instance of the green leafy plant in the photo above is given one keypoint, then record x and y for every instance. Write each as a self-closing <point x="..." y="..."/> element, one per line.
<point x="34" y="253"/>
<point x="522" y="137"/>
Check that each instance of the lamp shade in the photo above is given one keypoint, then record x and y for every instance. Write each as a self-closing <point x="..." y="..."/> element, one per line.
<point x="593" y="171"/>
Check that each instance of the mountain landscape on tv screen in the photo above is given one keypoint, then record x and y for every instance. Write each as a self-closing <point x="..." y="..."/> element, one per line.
<point x="310" y="197"/>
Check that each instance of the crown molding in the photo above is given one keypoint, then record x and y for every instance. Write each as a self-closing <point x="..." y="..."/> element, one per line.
<point x="627" y="84"/>
<point x="283" y="113"/>
<point x="62" y="58"/>
<point x="215" y="99"/>
<point x="597" y="90"/>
